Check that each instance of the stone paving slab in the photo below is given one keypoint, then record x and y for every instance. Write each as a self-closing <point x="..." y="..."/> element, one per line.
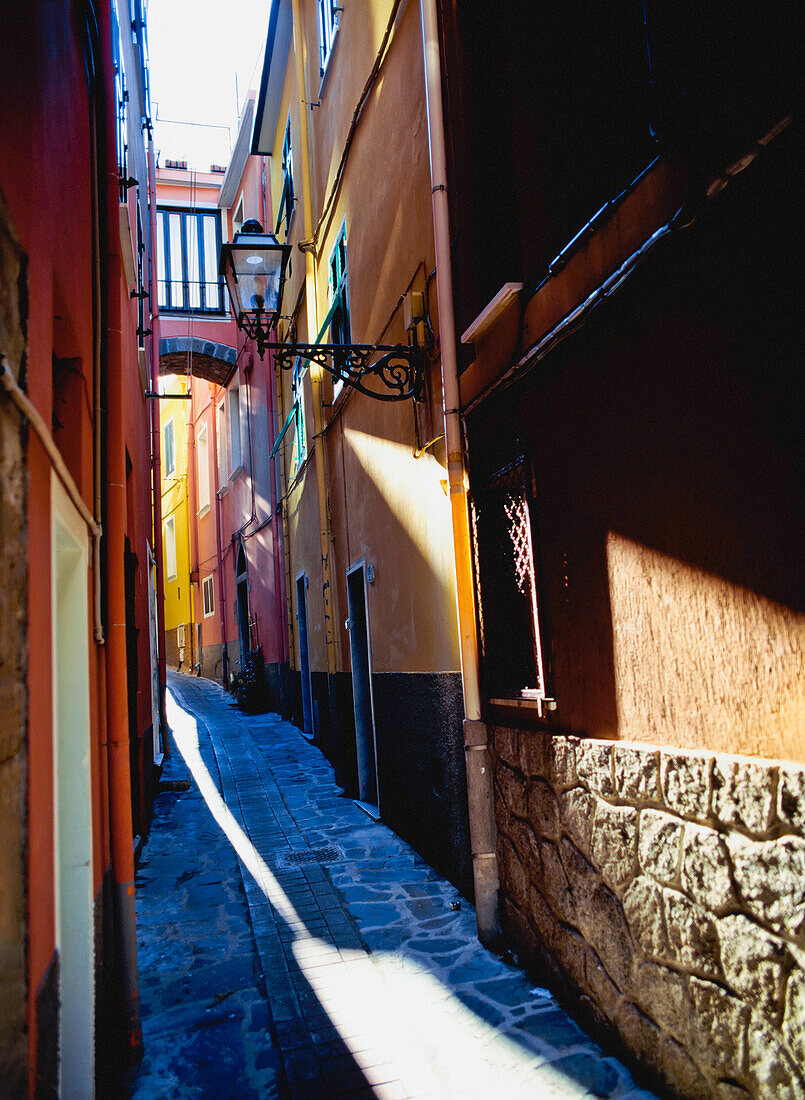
<point x="376" y="982"/>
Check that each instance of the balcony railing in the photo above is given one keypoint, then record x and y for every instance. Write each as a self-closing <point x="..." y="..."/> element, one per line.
<point x="182" y="296"/>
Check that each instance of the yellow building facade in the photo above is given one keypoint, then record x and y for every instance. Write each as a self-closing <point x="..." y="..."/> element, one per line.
<point x="341" y="118"/>
<point x="174" y="409"/>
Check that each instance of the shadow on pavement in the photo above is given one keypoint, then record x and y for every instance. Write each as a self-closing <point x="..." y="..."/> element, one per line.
<point x="376" y="982"/>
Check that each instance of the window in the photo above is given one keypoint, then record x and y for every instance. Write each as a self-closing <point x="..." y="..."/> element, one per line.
<point x="300" y="430"/>
<point x="208" y="596"/>
<point x="340" y="332"/>
<point x="121" y="98"/>
<point x="203" y="463"/>
<point x="168" y="449"/>
<point x="287" y="200"/>
<point x="188" y="245"/>
<point x="328" y="25"/>
<point x="235" y="447"/>
<point x="503" y="527"/>
<point x="340" y="329"/>
<point x="223" y="467"/>
<point x="170" y="548"/>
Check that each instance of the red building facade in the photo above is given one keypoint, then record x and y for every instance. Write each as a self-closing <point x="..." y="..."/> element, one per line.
<point x="82" y="740"/>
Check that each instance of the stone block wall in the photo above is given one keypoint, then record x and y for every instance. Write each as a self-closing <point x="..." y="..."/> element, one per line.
<point x="665" y="891"/>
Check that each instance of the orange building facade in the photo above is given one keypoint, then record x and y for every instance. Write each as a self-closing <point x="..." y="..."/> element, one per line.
<point x="81" y="728"/>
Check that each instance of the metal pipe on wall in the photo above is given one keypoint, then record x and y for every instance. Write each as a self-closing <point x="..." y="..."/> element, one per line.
<point x="281" y="594"/>
<point x="97" y="345"/>
<point x="218" y="544"/>
<point x="311" y="294"/>
<point x="277" y="549"/>
<point x="120" y="808"/>
<point x="192" y="529"/>
<point x="121" y="823"/>
<point x="156" y="446"/>
<point x="479" y="774"/>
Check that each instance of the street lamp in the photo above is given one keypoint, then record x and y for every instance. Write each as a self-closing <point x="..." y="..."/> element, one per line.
<point x="253" y="268"/>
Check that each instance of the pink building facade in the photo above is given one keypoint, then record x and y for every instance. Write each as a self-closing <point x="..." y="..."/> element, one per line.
<point x="236" y="553"/>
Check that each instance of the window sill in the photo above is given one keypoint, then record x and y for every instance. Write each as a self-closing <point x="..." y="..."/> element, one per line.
<point x="204" y="314"/>
<point x="223" y="491"/>
<point x="203" y="511"/>
<point x="541" y="704"/>
<point x="236" y="473"/>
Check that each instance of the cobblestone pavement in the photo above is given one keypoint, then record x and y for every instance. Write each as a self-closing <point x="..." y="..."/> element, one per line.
<point x="204" y="1011"/>
<point x="375" y="982"/>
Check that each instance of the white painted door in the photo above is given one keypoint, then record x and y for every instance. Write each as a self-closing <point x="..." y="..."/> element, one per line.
<point x="72" y="798"/>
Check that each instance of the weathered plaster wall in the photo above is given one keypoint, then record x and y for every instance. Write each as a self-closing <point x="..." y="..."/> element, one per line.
<point x="665" y="437"/>
<point x="718" y="649"/>
<point x="665" y="891"/>
<point x="390" y="508"/>
<point x="13" y="694"/>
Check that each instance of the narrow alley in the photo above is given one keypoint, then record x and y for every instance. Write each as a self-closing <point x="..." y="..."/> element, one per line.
<point x="349" y="967"/>
<point x="402" y="623"/>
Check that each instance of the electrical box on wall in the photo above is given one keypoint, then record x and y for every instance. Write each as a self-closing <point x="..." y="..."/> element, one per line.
<point x="413" y="309"/>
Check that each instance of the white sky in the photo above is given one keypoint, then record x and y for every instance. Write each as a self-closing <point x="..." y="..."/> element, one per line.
<point x="197" y="48"/>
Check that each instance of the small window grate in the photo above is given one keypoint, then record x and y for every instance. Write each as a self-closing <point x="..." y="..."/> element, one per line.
<point x="505" y="567"/>
<point x="309" y="855"/>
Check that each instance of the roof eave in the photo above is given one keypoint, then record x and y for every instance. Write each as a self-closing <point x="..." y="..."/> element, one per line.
<point x="237" y="162"/>
<point x="278" y="43"/>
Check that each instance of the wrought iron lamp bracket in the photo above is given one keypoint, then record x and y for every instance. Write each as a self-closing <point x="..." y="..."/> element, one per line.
<point x="398" y="368"/>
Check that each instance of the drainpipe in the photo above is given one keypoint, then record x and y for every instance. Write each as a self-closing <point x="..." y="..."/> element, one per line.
<point x="219" y="554"/>
<point x="156" y="445"/>
<point x="276" y="539"/>
<point x="192" y="509"/>
<point x="280" y="592"/>
<point x="479" y="774"/>
<point x="97" y="352"/>
<point x="281" y="478"/>
<point x="312" y="327"/>
<point x="120" y="812"/>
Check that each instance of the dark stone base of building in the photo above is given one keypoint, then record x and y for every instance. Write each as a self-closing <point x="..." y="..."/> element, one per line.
<point x="110" y="1052"/>
<point x="334" y="725"/>
<point x="182" y="659"/>
<point x="280" y="686"/>
<point x="145" y="775"/>
<point x="47" y="1033"/>
<point x="211" y="662"/>
<point x="421" y="771"/>
<point x="420" y="757"/>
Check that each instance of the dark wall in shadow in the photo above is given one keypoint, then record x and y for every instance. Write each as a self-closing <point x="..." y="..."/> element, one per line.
<point x="672" y="420"/>
<point x="422" y="776"/>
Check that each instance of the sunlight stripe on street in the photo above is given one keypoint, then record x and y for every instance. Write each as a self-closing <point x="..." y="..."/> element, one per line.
<point x="396" y="1018"/>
